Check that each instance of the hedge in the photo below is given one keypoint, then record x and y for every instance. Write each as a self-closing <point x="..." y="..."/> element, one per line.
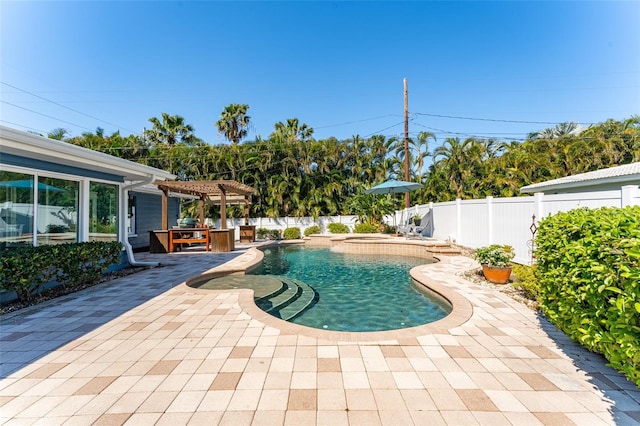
<point x="292" y="234"/>
<point x="589" y="269"/>
<point x="338" y="228"/>
<point x="25" y="269"/>
<point x="313" y="229"/>
<point x="365" y="228"/>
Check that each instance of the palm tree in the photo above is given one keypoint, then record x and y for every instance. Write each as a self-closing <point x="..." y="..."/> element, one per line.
<point x="458" y="159"/>
<point x="234" y="122"/>
<point x="292" y="130"/>
<point x="170" y="131"/>
<point x="418" y="151"/>
<point x="569" y="128"/>
<point x="58" y="134"/>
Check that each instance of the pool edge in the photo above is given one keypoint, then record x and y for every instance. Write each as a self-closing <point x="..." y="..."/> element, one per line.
<point x="447" y="267"/>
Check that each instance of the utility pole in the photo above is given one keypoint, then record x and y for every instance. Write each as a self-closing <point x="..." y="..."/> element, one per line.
<point x="407" y="200"/>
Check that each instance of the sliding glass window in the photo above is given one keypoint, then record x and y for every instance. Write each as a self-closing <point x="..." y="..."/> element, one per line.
<point x="57" y="211"/>
<point x="103" y="212"/>
<point x="16" y="208"/>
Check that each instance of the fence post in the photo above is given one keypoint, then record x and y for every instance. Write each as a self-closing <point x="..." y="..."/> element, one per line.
<point x="458" y="221"/>
<point x="490" y="219"/>
<point x="537" y="205"/>
<point x="628" y="193"/>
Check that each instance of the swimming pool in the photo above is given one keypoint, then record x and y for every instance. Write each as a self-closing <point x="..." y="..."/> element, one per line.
<point x="355" y="292"/>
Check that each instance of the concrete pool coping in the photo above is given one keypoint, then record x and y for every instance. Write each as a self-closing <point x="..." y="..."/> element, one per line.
<point x="431" y="277"/>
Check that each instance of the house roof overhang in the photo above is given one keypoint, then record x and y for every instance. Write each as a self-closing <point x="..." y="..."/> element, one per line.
<point x="32" y="146"/>
<point x="625" y="174"/>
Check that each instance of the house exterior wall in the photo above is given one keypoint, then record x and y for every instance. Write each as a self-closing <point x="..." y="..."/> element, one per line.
<point x="149" y="217"/>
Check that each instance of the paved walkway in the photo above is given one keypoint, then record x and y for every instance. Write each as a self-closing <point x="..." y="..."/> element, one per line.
<point x="145" y="349"/>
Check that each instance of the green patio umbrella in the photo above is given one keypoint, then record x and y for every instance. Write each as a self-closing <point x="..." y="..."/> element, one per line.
<point x="393" y="187"/>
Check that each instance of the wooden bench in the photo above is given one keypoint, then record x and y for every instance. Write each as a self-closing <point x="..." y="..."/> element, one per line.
<point x="177" y="236"/>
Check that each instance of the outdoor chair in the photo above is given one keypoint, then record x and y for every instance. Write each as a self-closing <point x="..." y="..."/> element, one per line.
<point x="405" y="227"/>
<point x="424" y="230"/>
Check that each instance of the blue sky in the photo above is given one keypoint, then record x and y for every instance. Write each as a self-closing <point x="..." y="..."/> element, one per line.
<point x="506" y="68"/>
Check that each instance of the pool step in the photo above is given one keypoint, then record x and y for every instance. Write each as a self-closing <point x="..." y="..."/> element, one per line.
<point x="291" y="300"/>
<point x="448" y="250"/>
<point x="308" y="297"/>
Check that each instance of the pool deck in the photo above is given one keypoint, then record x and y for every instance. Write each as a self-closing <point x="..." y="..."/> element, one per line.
<point x="147" y="349"/>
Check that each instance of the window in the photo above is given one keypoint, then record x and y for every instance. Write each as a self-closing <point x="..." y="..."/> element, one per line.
<point x="16" y="208"/>
<point x="131" y="215"/>
<point x="57" y="219"/>
<point x="103" y="212"/>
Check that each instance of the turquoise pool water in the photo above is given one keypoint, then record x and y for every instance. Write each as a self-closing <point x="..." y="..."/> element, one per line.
<point x="357" y="292"/>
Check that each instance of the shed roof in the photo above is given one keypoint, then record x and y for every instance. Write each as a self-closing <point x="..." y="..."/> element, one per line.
<point x="619" y="174"/>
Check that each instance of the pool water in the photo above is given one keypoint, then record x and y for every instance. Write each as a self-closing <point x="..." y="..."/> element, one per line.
<point x="357" y="292"/>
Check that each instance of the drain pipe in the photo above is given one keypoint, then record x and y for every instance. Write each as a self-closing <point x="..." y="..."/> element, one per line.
<point x="123" y="212"/>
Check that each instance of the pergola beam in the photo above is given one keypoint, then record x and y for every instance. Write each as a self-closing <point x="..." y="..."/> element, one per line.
<point x="226" y="191"/>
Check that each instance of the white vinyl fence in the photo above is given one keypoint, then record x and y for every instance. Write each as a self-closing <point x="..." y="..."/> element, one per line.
<point x="282" y="223"/>
<point x="477" y="223"/>
<point x="474" y="223"/>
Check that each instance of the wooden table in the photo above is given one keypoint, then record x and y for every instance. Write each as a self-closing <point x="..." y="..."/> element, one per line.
<point x="188" y="235"/>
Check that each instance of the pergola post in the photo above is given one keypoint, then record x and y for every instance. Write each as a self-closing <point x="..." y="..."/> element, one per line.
<point x="246" y="210"/>
<point x="202" y="211"/>
<point x="164" y="221"/>
<point x="223" y="208"/>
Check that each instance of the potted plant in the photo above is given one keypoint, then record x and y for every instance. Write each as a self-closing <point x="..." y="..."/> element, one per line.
<point x="496" y="262"/>
<point x="417" y="219"/>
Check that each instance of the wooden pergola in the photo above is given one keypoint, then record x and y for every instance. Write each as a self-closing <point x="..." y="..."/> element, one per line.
<point x="216" y="192"/>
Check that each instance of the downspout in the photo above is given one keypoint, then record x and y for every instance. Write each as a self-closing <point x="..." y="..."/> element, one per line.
<point x="125" y="242"/>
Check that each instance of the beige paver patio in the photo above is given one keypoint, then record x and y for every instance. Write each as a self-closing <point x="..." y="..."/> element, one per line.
<point x="146" y="349"/>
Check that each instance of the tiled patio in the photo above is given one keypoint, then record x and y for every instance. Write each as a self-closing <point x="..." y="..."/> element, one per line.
<point x="145" y="349"/>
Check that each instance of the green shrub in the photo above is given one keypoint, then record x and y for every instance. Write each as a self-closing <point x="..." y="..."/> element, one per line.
<point x="527" y="280"/>
<point x="365" y="228"/>
<point x="274" y="234"/>
<point x="338" y="228"/>
<point x="25" y="269"/>
<point x="589" y="268"/>
<point x="292" y="234"/>
<point x="262" y="233"/>
<point x="80" y="263"/>
<point x="388" y="229"/>
<point x="314" y="229"/>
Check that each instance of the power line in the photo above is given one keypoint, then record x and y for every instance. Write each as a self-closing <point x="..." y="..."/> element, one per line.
<point x="469" y="135"/>
<point x="45" y="115"/>
<point x="382" y="130"/>
<point x="66" y="107"/>
<point x="352" y="122"/>
<point x="24" y="127"/>
<point x="492" y="119"/>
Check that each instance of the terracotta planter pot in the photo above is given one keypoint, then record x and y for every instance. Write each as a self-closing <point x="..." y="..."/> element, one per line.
<point x="496" y="275"/>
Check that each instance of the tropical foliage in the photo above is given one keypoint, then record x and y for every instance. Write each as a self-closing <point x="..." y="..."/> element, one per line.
<point x="589" y="271"/>
<point x="296" y="175"/>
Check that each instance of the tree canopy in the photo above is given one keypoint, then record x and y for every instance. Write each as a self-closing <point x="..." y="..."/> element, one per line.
<point x="296" y="175"/>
